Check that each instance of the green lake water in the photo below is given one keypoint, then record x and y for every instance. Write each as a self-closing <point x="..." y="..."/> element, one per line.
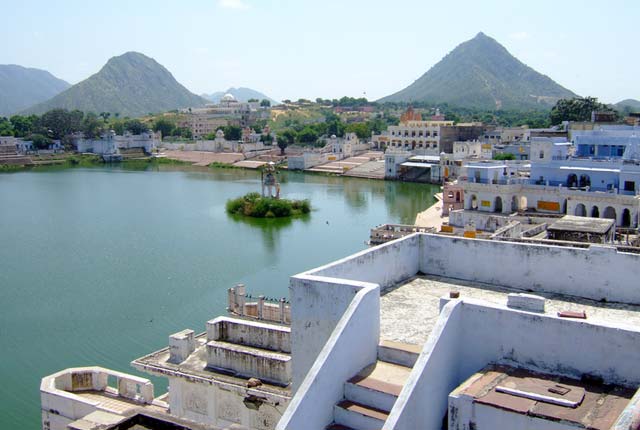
<point x="99" y="265"/>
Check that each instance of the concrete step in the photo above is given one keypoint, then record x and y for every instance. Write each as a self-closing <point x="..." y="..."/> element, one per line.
<point x="377" y="385"/>
<point x="358" y="416"/>
<point x="403" y="354"/>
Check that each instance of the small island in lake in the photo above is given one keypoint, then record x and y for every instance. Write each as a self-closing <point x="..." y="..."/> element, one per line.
<point x="256" y="206"/>
<point x="269" y="204"/>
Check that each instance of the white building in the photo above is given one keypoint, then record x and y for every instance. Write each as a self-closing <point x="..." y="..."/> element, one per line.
<point x="110" y="143"/>
<point x="229" y="111"/>
<point x="347" y="373"/>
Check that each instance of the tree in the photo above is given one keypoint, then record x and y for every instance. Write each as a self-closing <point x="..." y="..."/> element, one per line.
<point x="265" y="103"/>
<point x="105" y="116"/>
<point x="307" y="135"/>
<point x="335" y="127"/>
<point x="40" y="141"/>
<point x="183" y="132"/>
<point x="60" y="123"/>
<point x="576" y="109"/>
<point x="23" y="125"/>
<point x="6" y="129"/>
<point x="286" y="138"/>
<point x="135" y="126"/>
<point x="231" y="132"/>
<point x="164" y="126"/>
<point x="253" y="101"/>
<point x="92" y="127"/>
<point x="361" y="129"/>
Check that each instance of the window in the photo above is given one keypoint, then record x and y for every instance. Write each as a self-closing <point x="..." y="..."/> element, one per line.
<point x="629" y="186"/>
<point x="541" y="154"/>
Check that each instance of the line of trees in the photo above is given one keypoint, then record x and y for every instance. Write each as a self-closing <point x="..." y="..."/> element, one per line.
<point x="60" y="124"/>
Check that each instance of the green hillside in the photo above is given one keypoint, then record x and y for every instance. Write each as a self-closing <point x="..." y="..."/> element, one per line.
<point x="130" y="85"/>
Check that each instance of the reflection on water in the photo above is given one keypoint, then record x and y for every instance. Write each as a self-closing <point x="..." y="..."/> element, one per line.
<point x="270" y="228"/>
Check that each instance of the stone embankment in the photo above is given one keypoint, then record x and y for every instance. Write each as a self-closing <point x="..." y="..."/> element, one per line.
<point x="432" y="217"/>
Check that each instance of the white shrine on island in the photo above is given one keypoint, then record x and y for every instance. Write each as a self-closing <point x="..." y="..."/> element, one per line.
<point x="270" y="184"/>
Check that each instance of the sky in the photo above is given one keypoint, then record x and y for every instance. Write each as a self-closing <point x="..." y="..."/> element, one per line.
<point x="291" y="49"/>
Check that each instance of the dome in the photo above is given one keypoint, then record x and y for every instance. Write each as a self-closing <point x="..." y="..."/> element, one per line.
<point x="228" y="98"/>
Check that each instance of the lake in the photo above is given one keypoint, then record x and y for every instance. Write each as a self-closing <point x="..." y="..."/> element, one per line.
<point x="98" y="266"/>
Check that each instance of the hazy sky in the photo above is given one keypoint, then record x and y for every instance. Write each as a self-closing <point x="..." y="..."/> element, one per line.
<point x="326" y="48"/>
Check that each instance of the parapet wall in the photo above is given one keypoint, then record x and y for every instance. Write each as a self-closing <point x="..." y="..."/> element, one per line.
<point x="471" y="334"/>
<point x="384" y="265"/>
<point x="255" y="334"/>
<point x="595" y="272"/>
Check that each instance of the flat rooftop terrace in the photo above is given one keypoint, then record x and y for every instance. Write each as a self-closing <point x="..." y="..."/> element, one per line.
<point x="195" y="366"/>
<point x="409" y="310"/>
<point x="548" y="397"/>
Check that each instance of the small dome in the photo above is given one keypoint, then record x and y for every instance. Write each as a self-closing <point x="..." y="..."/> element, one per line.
<point x="333" y="136"/>
<point x="219" y="133"/>
<point x="228" y="98"/>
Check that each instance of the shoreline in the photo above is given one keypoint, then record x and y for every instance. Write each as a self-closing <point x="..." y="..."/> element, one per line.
<point x="432" y="216"/>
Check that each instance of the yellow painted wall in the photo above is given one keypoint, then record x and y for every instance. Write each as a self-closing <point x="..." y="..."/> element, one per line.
<point x="548" y="206"/>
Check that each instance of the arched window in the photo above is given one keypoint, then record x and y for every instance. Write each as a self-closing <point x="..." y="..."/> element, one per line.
<point x="497" y="207"/>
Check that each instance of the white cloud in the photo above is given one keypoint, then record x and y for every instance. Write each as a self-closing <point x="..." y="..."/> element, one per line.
<point x="521" y="35"/>
<point x="233" y="4"/>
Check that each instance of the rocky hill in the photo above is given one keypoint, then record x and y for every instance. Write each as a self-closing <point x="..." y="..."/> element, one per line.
<point x="481" y="73"/>
<point x="21" y="87"/>
<point x="130" y="85"/>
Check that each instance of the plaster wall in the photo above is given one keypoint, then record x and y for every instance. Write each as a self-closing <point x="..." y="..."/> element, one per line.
<point x="251" y="333"/>
<point x="471" y="334"/>
<point x="385" y="264"/>
<point x="423" y="400"/>
<point x="222" y="406"/>
<point x="547" y="344"/>
<point x="320" y="297"/>
<point x="489" y="418"/>
<point x="596" y="272"/>
<point x="249" y="362"/>
<point x="60" y="405"/>
<point x="353" y="345"/>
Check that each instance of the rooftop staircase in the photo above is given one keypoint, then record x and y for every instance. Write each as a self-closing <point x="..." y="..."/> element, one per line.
<point x="370" y="395"/>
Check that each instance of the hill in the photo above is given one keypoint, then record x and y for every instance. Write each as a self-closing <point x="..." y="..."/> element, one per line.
<point x="131" y="85"/>
<point x="632" y="105"/>
<point x="481" y="73"/>
<point x="21" y="87"/>
<point x="241" y="94"/>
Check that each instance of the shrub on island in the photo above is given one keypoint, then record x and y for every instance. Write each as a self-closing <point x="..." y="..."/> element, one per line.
<point x="256" y="206"/>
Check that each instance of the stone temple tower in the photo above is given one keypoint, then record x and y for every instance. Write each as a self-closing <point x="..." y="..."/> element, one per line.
<point x="270" y="184"/>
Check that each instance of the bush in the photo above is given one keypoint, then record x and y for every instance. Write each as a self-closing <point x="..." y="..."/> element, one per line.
<point x="255" y="206"/>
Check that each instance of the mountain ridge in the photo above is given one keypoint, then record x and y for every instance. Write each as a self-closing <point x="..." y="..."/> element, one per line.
<point x="21" y="87"/>
<point x="633" y="104"/>
<point x="481" y="73"/>
<point x="130" y="84"/>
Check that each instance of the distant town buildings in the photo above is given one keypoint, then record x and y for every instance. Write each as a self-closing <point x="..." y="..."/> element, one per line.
<point x="112" y="145"/>
<point x="206" y="120"/>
